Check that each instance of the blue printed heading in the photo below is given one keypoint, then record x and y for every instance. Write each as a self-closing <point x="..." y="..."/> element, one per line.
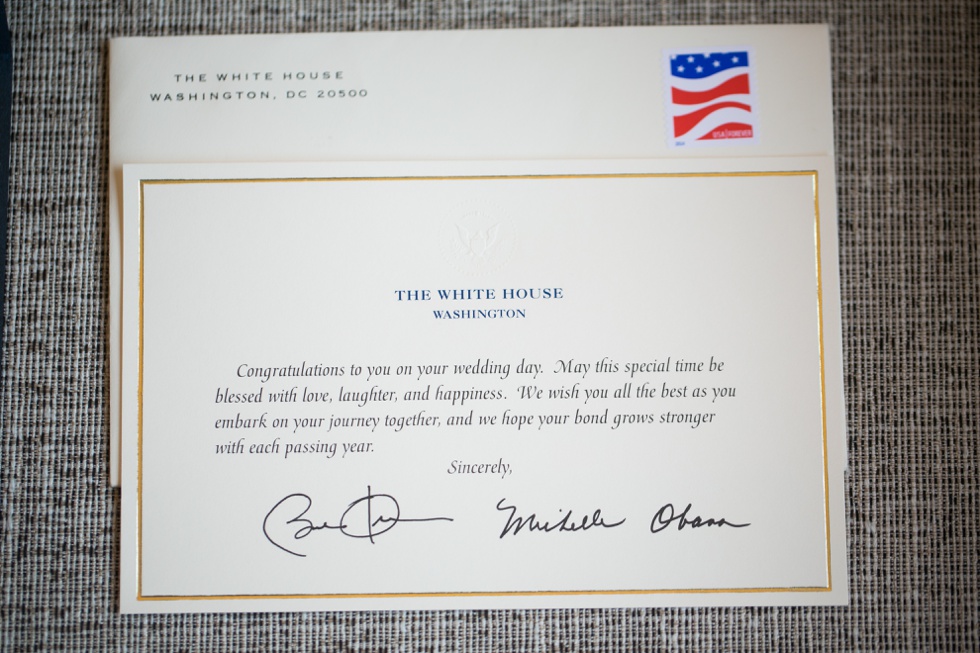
<point x="464" y="294"/>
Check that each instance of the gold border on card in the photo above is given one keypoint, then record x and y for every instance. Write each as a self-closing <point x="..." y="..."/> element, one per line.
<point x="396" y="595"/>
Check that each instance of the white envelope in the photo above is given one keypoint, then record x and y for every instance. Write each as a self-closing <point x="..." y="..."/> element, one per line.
<point x="471" y="95"/>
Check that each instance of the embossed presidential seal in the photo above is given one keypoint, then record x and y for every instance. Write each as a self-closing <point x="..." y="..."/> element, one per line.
<point x="480" y="239"/>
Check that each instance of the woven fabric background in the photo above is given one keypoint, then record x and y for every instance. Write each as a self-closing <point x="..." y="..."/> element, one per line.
<point x="907" y="111"/>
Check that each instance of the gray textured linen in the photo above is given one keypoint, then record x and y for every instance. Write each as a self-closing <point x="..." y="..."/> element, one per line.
<point x="907" y="112"/>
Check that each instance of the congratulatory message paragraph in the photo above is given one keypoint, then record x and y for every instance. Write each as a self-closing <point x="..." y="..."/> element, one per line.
<point x="298" y="410"/>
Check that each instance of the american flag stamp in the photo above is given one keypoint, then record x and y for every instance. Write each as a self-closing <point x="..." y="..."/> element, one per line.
<point x="710" y="97"/>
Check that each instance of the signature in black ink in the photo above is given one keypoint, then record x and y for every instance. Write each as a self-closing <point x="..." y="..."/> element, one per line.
<point x="666" y="516"/>
<point x="566" y="523"/>
<point x="366" y="518"/>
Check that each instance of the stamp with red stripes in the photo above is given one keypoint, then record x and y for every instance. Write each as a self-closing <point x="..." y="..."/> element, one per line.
<point x="710" y="97"/>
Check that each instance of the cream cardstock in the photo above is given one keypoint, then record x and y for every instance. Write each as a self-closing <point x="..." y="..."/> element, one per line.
<point x="467" y="95"/>
<point x="481" y="385"/>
